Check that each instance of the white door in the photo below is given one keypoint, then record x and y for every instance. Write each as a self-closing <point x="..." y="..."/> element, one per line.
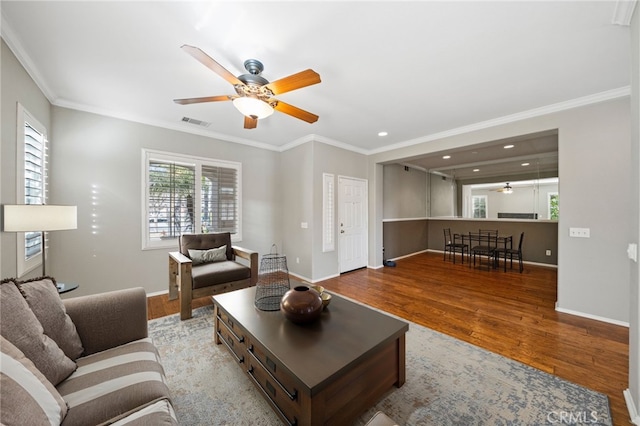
<point x="352" y="217"/>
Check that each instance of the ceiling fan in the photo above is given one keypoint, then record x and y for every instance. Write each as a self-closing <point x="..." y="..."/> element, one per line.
<point x="255" y="94"/>
<point x="507" y="189"/>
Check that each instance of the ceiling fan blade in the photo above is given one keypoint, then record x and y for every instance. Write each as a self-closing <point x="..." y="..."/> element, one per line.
<point x="210" y="63"/>
<point x="188" y="101"/>
<point x="295" y="81"/>
<point x="296" y="112"/>
<point x="250" y="123"/>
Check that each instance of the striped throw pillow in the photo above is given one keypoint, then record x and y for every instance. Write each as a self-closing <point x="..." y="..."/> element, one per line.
<point x="27" y="397"/>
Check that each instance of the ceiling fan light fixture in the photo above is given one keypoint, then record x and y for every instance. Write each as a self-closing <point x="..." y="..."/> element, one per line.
<point x="253" y="107"/>
<point x="507" y="189"/>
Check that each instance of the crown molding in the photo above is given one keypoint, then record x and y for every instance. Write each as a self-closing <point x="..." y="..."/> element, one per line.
<point x="12" y="40"/>
<point x="532" y="113"/>
<point x="623" y="12"/>
<point x="179" y="127"/>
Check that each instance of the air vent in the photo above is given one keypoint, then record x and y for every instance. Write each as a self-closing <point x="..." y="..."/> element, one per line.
<point x="196" y="122"/>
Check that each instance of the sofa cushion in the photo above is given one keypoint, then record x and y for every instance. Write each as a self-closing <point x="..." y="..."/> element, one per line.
<point x="114" y="382"/>
<point x="42" y="297"/>
<point x="205" y="242"/>
<point x="19" y="325"/>
<point x="159" y="413"/>
<point x="27" y="397"/>
<point x="209" y="274"/>
<point x="206" y="256"/>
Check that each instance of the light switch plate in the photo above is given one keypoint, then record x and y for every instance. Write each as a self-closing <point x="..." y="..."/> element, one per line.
<point x="579" y="232"/>
<point x="632" y="252"/>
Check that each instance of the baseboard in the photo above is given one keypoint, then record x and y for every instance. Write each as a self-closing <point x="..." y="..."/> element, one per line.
<point x="631" y="406"/>
<point x="157" y="293"/>
<point x="590" y="316"/>
<point x="410" y="254"/>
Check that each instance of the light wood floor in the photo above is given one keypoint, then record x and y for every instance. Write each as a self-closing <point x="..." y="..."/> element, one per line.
<point x="507" y="313"/>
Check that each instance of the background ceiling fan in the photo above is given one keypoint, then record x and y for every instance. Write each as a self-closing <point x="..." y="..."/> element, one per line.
<point x="255" y="94"/>
<point x="507" y="189"/>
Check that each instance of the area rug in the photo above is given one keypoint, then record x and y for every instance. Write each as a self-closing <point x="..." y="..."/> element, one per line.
<point x="449" y="382"/>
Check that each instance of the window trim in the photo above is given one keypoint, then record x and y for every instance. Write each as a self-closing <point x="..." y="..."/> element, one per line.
<point x="328" y="212"/>
<point x="486" y="206"/>
<point x="23" y="116"/>
<point x="197" y="162"/>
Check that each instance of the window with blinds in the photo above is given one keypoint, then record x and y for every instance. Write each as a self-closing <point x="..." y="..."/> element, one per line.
<point x="328" y="212"/>
<point x="185" y="194"/>
<point x="32" y="187"/>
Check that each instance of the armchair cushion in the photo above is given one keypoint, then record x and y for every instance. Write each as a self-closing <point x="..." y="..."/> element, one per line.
<point x="206" y="242"/>
<point x="208" y="274"/>
<point x="20" y="326"/>
<point x="42" y="296"/>
<point x="206" y="256"/>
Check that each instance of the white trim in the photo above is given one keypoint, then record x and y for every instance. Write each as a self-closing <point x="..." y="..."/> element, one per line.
<point x="623" y="12"/>
<point x="197" y="162"/>
<point x="536" y="112"/>
<point x="411" y="254"/>
<point x="328" y="212"/>
<point x="23" y="116"/>
<point x="404" y="219"/>
<point x="631" y="406"/>
<point x="590" y="316"/>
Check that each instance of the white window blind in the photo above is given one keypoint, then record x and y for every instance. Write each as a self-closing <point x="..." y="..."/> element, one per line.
<point x="328" y="212"/>
<point x="185" y="194"/>
<point x="32" y="184"/>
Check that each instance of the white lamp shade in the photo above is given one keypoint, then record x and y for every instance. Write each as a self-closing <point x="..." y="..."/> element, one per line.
<point x="253" y="107"/>
<point x="36" y="217"/>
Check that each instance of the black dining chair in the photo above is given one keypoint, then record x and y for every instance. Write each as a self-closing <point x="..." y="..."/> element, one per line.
<point x="484" y="243"/>
<point x="510" y="253"/>
<point x="454" y="244"/>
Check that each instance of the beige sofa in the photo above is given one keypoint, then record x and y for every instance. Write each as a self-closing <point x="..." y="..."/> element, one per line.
<point x="82" y="361"/>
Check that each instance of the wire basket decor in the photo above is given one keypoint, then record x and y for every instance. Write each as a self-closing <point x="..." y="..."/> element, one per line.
<point x="273" y="280"/>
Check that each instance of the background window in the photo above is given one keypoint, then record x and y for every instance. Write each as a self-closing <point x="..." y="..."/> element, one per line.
<point x="479" y="203"/>
<point x="186" y="194"/>
<point x="32" y="172"/>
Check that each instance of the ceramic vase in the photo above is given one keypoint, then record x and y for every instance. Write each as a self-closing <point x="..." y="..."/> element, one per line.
<point x="301" y="305"/>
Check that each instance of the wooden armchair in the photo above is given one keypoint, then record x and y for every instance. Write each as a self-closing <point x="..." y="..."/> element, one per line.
<point x="190" y="278"/>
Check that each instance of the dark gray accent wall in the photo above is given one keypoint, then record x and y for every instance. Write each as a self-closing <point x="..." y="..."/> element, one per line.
<point x="400" y="238"/>
<point x="539" y="236"/>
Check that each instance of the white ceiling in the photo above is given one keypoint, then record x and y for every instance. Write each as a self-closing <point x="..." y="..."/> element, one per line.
<point x="413" y="69"/>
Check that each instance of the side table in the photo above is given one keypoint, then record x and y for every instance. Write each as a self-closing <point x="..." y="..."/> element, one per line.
<point x="65" y="288"/>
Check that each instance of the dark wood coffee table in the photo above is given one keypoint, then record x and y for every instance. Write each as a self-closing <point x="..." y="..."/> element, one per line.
<point x="326" y="372"/>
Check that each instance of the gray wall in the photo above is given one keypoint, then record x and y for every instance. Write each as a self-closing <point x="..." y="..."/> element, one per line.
<point x="17" y="86"/>
<point x="405" y="192"/>
<point x="593" y="274"/>
<point x="339" y="162"/>
<point x="442" y="196"/>
<point x="296" y="186"/>
<point x="98" y="167"/>
<point x="405" y="237"/>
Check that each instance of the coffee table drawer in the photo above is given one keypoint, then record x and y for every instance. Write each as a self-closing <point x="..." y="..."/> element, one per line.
<point x="273" y="367"/>
<point x="234" y="342"/>
<point x="230" y="322"/>
<point x="285" y="404"/>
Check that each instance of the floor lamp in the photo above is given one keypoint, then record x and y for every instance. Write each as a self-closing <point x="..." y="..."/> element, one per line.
<point x="39" y="218"/>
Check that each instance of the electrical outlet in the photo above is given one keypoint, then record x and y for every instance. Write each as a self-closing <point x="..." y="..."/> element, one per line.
<point x="548" y="252"/>
<point x="297" y="260"/>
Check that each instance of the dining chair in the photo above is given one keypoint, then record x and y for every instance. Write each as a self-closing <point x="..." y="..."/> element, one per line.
<point x="486" y="242"/>
<point x="454" y="244"/>
<point x="511" y="253"/>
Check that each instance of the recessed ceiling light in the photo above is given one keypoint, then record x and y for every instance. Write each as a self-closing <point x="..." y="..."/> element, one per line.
<point x="382" y="133"/>
<point x="476" y="170"/>
<point x="525" y="164"/>
<point x="446" y="157"/>
<point x="508" y="146"/>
